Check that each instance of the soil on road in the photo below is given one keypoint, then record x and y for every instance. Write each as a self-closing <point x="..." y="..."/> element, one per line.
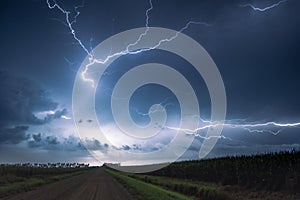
<point x="94" y="184"/>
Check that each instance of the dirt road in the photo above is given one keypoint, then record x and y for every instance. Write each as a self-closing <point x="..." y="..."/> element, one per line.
<point x="95" y="184"/>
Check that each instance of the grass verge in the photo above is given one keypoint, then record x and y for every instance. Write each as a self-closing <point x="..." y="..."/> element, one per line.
<point x="198" y="190"/>
<point x="145" y="191"/>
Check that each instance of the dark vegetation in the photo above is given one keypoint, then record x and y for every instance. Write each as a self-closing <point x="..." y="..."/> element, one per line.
<point x="195" y="190"/>
<point x="14" y="179"/>
<point x="273" y="176"/>
<point x="19" y="171"/>
<point x="270" y="172"/>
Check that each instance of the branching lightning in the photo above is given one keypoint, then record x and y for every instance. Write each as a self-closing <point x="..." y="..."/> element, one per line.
<point x="127" y="51"/>
<point x="250" y="127"/>
<point x="263" y="9"/>
<point x="69" y="23"/>
<point x="271" y="127"/>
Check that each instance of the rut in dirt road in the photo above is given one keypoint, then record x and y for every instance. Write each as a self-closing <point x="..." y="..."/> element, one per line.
<point x="95" y="184"/>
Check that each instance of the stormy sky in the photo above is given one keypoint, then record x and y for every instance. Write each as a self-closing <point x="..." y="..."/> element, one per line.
<point x="256" y="52"/>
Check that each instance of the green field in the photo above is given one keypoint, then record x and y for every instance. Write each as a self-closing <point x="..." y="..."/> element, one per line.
<point x="196" y="190"/>
<point x="270" y="172"/>
<point x="152" y="187"/>
<point x="144" y="191"/>
<point x="15" y="179"/>
<point x="263" y="177"/>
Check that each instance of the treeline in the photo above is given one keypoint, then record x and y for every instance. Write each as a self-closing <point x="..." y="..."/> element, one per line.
<point x="273" y="171"/>
<point x="26" y="171"/>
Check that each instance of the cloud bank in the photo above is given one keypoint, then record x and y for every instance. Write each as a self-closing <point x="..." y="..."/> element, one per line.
<point x="20" y="99"/>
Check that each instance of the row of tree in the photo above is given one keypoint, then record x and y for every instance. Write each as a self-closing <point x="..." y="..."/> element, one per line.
<point x="27" y="171"/>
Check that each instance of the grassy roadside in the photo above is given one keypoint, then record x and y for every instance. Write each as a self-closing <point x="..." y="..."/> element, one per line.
<point x="15" y="184"/>
<point x="154" y="187"/>
<point x="144" y="191"/>
<point x="198" y="190"/>
<point x="203" y="190"/>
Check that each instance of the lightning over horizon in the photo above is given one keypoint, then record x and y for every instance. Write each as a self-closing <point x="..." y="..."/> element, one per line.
<point x="250" y="127"/>
<point x="270" y="127"/>
<point x="265" y="8"/>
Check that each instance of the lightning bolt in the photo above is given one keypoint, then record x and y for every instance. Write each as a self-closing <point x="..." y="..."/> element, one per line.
<point x="250" y="127"/>
<point x="54" y="5"/>
<point x="127" y="51"/>
<point x="263" y="9"/>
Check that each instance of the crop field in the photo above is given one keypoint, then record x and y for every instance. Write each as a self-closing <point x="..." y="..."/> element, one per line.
<point x="269" y="176"/>
<point x="15" y="179"/>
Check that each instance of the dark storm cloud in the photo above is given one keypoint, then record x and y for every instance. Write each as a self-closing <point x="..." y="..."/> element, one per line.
<point x="141" y="148"/>
<point x="13" y="135"/>
<point x="52" y="142"/>
<point x="88" y="121"/>
<point x="37" y="137"/>
<point x="50" y="117"/>
<point x="70" y="143"/>
<point x="20" y="99"/>
<point x="125" y="147"/>
<point x="95" y="145"/>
